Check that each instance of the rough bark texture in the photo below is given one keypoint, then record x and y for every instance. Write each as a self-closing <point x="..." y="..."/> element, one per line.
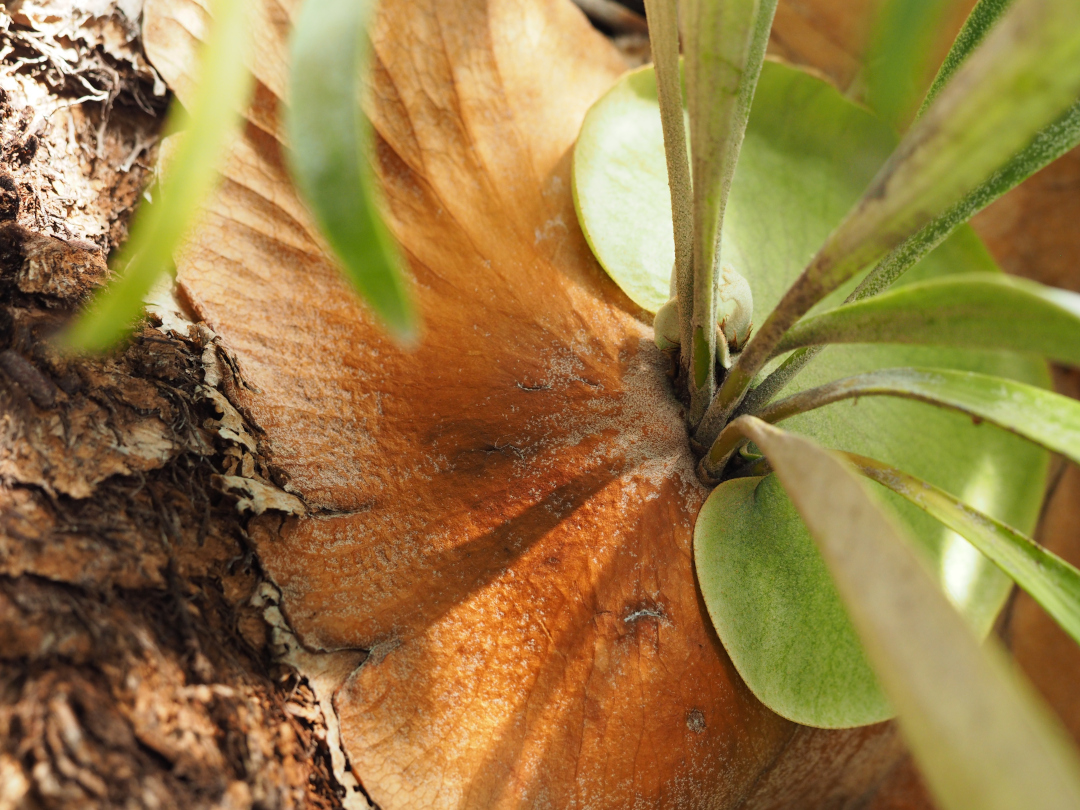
<point x="134" y="669"/>
<point x="144" y="661"/>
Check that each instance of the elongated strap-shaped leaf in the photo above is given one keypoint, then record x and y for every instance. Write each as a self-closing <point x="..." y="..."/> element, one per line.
<point x="329" y="136"/>
<point x="1046" y="147"/>
<point x="1046" y="418"/>
<point x="663" y="17"/>
<point x="192" y="172"/>
<point x="1051" y="581"/>
<point x="1024" y="76"/>
<point x="974" y="30"/>
<point x="978" y="733"/>
<point x="977" y="310"/>
<point x="725" y="45"/>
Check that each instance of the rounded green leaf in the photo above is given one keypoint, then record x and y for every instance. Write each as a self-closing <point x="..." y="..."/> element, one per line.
<point x="807" y="157"/>
<point x="621" y="190"/>
<point x="774" y="606"/>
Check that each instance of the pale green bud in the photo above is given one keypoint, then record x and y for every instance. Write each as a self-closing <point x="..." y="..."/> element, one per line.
<point x="666" y="326"/>
<point x="734" y="307"/>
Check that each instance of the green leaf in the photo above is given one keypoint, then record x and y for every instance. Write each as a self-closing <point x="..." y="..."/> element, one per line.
<point x="807" y="156"/>
<point x="725" y="45"/>
<point x="1050" y="144"/>
<point x="904" y="34"/>
<point x="1048" y="419"/>
<point x="1025" y="75"/>
<point x="159" y="228"/>
<point x="1047" y="146"/>
<point x="974" y="30"/>
<point x="620" y="189"/>
<point x="776" y="610"/>
<point x="978" y="733"/>
<point x="1051" y="581"/>
<point x="330" y="138"/>
<point x="976" y="310"/>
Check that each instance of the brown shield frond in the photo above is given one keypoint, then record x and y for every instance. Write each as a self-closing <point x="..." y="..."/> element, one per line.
<point x="502" y="516"/>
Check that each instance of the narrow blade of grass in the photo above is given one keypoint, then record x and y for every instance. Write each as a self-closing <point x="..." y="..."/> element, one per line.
<point x="159" y="228"/>
<point x="979" y="734"/>
<point x="1051" y="581"/>
<point x="330" y="137"/>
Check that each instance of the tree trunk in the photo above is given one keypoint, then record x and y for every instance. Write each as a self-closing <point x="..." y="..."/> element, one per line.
<point x="142" y="657"/>
<point x="136" y="668"/>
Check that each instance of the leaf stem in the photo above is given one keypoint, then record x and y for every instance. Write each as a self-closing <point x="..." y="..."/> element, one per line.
<point x="798" y="300"/>
<point x="725" y="47"/>
<point x="663" y="19"/>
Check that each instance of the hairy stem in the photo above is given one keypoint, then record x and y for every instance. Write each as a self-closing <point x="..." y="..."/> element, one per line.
<point x="663" y="18"/>
<point x="725" y="46"/>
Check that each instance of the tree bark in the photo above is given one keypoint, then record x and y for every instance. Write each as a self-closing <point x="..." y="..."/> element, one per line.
<point x="136" y="667"/>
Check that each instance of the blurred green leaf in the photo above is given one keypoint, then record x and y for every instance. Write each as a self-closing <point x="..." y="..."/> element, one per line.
<point x="979" y="735"/>
<point x="1051" y="581"/>
<point x="190" y="176"/>
<point x="1024" y="76"/>
<point x="897" y="60"/>
<point x="975" y="310"/>
<point x="1048" y="419"/>
<point x="330" y="140"/>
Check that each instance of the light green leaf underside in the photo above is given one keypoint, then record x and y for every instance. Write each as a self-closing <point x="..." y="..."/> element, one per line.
<point x="807" y="157"/>
<point x="973" y="310"/>
<point x="330" y="137"/>
<point x="621" y="192"/>
<point x="980" y="736"/>
<point x="1051" y="581"/>
<point x="159" y="228"/>
<point x="1048" y="419"/>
